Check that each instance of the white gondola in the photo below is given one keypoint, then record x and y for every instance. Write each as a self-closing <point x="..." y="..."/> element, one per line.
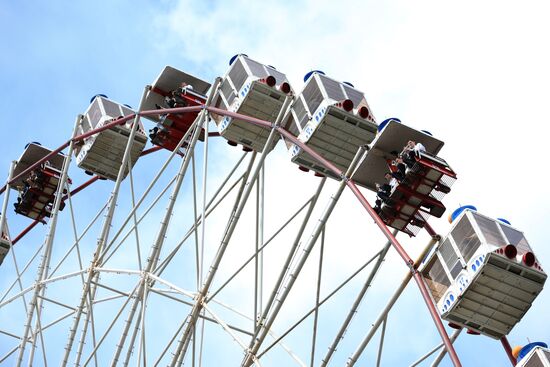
<point x="331" y="117"/>
<point x="255" y="90"/>
<point x="4" y="244"/>
<point x="483" y="275"/>
<point x="534" y="354"/>
<point x="102" y="153"/>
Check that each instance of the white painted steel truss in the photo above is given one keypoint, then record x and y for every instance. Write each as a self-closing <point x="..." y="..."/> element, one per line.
<point x="98" y="299"/>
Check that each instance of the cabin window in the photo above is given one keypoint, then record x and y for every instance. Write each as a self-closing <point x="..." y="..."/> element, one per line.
<point x="312" y="95"/>
<point x="436" y="278"/>
<point x="238" y="75"/>
<point x="301" y="114"/>
<point x="465" y="238"/>
<point x="333" y="88"/>
<point x="257" y="69"/>
<point x="111" y="109"/>
<point x="228" y="92"/>
<point x="94" y="115"/>
<point x="517" y="239"/>
<point x="450" y="257"/>
<point x="490" y="231"/>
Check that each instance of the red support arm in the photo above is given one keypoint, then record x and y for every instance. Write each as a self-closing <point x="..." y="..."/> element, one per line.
<point x="24" y="232"/>
<point x="508" y="350"/>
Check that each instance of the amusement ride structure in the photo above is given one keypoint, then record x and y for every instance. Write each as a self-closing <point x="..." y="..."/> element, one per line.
<point x="146" y="280"/>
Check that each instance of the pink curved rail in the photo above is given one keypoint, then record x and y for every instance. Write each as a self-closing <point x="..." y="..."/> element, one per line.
<point x="286" y="134"/>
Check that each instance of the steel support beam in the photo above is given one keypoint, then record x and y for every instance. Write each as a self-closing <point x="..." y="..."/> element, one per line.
<point x="234" y="219"/>
<point x="265" y="324"/>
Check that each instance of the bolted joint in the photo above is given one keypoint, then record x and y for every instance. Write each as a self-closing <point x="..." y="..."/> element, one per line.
<point x="412" y="267"/>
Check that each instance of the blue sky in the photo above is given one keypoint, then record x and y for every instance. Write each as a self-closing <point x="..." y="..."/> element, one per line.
<point x="475" y="73"/>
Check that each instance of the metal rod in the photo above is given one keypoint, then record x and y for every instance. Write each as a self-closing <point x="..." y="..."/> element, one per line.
<point x="256" y="250"/>
<point x="286" y="265"/>
<point x="441" y="354"/>
<point x="203" y="215"/>
<point x="508" y="350"/>
<point x="171" y="111"/>
<point x="18" y="280"/>
<point x="203" y="229"/>
<point x="136" y="232"/>
<point x="44" y="266"/>
<point x="225" y="327"/>
<point x="132" y="342"/>
<point x="281" y="131"/>
<point x="418" y="278"/>
<point x="198" y="220"/>
<point x="24" y="232"/>
<point x="195" y="229"/>
<point x="101" y="241"/>
<point x="144" y="195"/>
<point x="150" y="150"/>
<point x="244" y="184"/>
<point x="284" y="347"/>
<point x="81" y="187"/>
<point x="160" y="238"/>
<point x="104" y="259"/>
<point x="165" y="294"/>
<point x="353" y="311"/>
<point x="265" y="324"/>
<point x="3" y="214"/>
<point x="180" y="350"/>
<point x="115" y="122"/>
<point x="154" y="254"/>
<point x="94" y="351"/>
<point x="261" y="187"/>
<point x="317" y="297"/>
<point x="111" y="124"/>
<point x="353" y="359"/>
<point x="329" y="296"/>
<point x="76" y="245"/>
<point x="260" y="249"/>
<point x="164" y="264"/>
<point x="416" y="275"/>
<point x="142" y="351"/>
<point x="5" y="231"/>
<point x="381" y="345"/>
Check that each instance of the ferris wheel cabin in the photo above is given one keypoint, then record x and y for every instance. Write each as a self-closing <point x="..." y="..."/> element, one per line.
<point x="331" y="117"/>
<point x="102" y="153"/>
<point x="534" y="354"/>
<point x="172" y="89"/>
<point x="426" y="178"/>
<point x="483" y="275"/>
<point x="38" y="187"/>
<point x="252" y="89"/>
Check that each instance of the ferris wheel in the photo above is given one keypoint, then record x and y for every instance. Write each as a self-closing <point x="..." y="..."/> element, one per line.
<point x="193" y="251"/>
